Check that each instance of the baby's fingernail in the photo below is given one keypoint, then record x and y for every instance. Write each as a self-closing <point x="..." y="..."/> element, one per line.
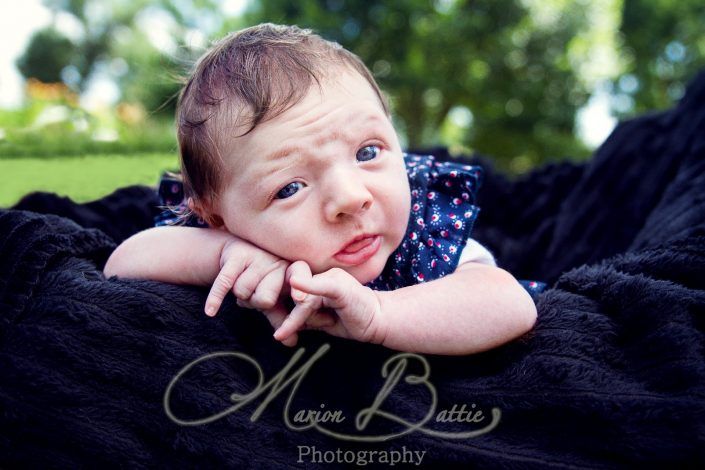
<point x="299" y="295"/>
<point x="210" y="311"/>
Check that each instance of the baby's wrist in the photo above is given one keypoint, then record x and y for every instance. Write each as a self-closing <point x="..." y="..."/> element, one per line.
<point x="379" y="327"/>
<point x="233" y="242"/>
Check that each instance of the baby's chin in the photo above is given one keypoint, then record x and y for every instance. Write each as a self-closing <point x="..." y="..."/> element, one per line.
<point x="365" y="274"/>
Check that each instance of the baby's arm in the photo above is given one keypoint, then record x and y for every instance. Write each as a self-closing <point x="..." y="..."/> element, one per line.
<point x="174" y="254"/>
<point x="202" y="256"/>
<point x="476" y="308"/>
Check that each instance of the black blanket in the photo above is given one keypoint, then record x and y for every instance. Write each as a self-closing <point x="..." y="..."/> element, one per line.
<point x="612" y="375"/>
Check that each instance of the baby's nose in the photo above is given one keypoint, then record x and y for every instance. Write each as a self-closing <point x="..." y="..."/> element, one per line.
<point x="348" y="195"/>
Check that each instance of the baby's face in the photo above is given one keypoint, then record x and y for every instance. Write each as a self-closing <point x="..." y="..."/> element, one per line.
<point x="324" y="182"/>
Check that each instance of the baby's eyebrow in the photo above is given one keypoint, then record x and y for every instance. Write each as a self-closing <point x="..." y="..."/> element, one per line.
<point x="269" y="170"/>
<point x="282" y="153"/>
<point x="364" y="123"/>
<point x="339" y="134"/>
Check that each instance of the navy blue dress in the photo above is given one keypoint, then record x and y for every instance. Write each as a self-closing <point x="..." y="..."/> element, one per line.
<point x="442" y="215"/>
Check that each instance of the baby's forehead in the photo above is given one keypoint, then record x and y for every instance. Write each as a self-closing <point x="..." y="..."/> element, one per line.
<point x="238" y="121"/>
<point x="302" y="125"/>
<point x="240" y="115"/>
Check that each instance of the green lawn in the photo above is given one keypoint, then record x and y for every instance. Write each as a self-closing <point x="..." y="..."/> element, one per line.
<point x="82" y="178"/>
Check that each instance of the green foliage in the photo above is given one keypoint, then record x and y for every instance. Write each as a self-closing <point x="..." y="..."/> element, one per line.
<point x="115" y="43"/>
<point x="47" y="53"/>
<point x="83" y="178"/>
<point x="52" y="124"/>
<point x="99" y="23"/>
<point x="66" y="138"/>
<point x="501" y="77"/>
<point x="488" y="57"/>
<point x="664" y="46"/>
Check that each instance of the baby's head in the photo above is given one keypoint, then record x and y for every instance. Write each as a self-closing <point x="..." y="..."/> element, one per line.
<point x="286" y="141"/>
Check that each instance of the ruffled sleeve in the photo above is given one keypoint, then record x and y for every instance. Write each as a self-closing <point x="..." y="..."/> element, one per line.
<point x="443" y="213"/>
<point x="173" y="203"/>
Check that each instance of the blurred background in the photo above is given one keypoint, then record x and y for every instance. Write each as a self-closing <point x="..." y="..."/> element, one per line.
<point x="88" y="87"/>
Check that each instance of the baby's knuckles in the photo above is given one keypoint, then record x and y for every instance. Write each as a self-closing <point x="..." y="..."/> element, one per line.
<point x="362" y="303"/>
<point x="237" y="248"/>
<point x="263" y="301"/>
<point x="266" y="299"/>
<point x="347" y="285"/>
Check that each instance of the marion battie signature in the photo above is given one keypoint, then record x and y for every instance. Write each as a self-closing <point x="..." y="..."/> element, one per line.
<point x="323" y="420"/>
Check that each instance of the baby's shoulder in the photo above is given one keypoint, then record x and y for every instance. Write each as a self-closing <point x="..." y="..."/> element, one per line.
<point x="429" y="176"/>
<point x="172" y="201"/>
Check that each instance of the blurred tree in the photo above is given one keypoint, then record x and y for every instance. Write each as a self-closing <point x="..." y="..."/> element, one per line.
<point x="139" y="44"/>
<point x="96" y="24"/>
<point x="487" y="62"/>
<point x="46" y="55"/>
<point x="664" y="46"/>
<point x="502" y="77"/>
<point x="166" y="38"/>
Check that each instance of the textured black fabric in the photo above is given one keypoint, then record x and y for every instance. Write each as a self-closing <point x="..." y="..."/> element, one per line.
<point x="119" y="215"/>
<point x="613" y="375"/>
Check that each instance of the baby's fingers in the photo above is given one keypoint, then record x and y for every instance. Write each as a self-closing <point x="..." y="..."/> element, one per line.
<point x="321" y="320"/>
<point x="276" y="316"/>
<point x="245" y="304"/>
<point x="222" y="285"/>
<point x="268" y="290"/>
<point x="297" y="318"/>
<point x="331" y="284"/>
<point x="301" y="270"/>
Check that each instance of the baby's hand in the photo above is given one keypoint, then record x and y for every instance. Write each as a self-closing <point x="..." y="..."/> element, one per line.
<point x="357" y="308"/>
<point x="257" y="279"/>
<point x="255" y="276"/>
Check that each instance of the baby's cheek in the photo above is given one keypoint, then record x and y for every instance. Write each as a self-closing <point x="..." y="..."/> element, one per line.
<point x="401" y="209"/>
<point x="309" y="250"/>
<point x="277" y="241"/>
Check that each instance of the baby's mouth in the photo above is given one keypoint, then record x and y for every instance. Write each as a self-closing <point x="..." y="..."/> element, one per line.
<point x="355" y="246"/>
<point x="359" y="250"/>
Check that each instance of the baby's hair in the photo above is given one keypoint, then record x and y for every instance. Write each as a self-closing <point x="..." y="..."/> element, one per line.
<point x="247" y="78"/>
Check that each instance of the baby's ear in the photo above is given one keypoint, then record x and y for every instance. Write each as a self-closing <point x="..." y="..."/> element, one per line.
<point x="204" y="211"/>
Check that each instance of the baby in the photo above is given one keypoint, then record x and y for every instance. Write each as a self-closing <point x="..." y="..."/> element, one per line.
<point x="289" y="157"/>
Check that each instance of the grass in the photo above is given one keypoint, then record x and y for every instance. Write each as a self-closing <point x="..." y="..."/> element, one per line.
<point x="83" y="178"/>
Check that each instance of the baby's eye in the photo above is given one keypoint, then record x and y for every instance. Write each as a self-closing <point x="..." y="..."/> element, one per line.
<point x="367" y="153"/>
<point x="289" y="190"/>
